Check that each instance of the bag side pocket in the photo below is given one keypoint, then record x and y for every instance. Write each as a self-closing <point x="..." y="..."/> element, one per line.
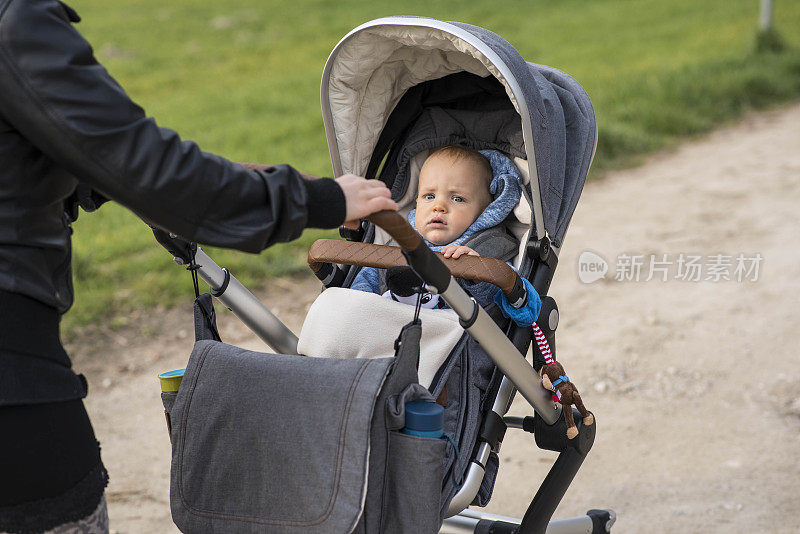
<point x="414" y="472"/>
<point x="168" y="400"/>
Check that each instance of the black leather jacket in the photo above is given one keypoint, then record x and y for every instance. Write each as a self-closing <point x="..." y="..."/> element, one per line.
<point x="65" y="121"/>
<point x="69" y="134"/>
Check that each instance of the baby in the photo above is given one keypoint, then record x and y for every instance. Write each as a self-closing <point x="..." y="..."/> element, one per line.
<point x="453" y="192"/>
<point x="463" y="196"/>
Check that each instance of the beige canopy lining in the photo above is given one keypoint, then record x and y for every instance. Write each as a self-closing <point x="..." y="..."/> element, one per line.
<point x="375" y="67"/>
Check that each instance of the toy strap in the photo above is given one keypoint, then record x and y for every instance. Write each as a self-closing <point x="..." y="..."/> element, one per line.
<point x="544" y="348"/>
<point x="541" y="341"/>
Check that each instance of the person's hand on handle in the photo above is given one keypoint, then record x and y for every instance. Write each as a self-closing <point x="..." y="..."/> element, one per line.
<point x="364" y="197"/>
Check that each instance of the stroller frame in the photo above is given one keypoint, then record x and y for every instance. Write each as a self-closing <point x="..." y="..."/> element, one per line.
<point x="506" y="349"/>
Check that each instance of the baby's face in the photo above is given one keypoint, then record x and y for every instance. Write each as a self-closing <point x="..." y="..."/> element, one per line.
<point x="451" y="196"/>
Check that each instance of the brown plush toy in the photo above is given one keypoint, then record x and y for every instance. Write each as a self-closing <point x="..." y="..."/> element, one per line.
<point x="555" y="379"/>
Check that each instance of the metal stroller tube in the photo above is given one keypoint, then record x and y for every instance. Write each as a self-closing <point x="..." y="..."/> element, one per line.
<point x="245" y="305"/>
<point x="474" y="319"/>
<point x="231" y="292"/>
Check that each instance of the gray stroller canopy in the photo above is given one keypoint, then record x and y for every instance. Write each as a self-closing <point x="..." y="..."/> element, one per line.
<point x="373" y="67"/>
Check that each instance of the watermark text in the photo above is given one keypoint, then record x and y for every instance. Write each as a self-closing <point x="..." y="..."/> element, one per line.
<point x="739" y="267"/>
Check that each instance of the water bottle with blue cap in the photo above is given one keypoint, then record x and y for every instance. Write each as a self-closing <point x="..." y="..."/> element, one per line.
<point x="424" y="419"/>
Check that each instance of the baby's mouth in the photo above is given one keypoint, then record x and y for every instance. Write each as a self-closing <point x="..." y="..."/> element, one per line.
<point x="437" y="222"/>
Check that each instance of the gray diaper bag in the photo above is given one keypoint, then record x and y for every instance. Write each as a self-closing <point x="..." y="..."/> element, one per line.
<point x="286" y="443"/>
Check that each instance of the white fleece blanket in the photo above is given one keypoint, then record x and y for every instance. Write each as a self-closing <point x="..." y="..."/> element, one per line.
<point x="344" y="323"/>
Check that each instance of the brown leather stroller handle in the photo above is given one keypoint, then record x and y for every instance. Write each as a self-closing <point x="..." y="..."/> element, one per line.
<point x="476" y="268"/>
<point x="324" y="251"/>
<point x="429" y="265"/>
<point x="398" y="227"/>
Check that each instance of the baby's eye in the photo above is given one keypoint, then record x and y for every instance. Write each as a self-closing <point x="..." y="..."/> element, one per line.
<point x="457" y="198"/>
<point x="428" y="196"/>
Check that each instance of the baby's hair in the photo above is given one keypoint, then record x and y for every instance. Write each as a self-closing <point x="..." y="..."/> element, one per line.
<point x="456" y="152"/>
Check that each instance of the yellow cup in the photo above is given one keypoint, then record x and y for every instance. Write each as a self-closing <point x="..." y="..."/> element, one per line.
<point x="171" y="380"/>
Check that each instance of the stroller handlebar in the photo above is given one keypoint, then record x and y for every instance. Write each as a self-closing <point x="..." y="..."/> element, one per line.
<point x="435" y="270"/>
<point x="398" y="227"/>
<point x="476" y="268"/>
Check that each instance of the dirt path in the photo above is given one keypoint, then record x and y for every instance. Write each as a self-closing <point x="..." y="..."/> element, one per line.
<point x="695" y="384"/>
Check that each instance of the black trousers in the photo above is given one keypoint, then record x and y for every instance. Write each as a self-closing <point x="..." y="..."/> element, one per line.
<point x="50" y="468"/>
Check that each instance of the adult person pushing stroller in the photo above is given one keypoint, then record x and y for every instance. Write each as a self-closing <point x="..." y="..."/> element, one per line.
<point x="69" y="137"/>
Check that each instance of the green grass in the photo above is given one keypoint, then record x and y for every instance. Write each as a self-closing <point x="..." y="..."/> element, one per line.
<point x="241" y="78"/>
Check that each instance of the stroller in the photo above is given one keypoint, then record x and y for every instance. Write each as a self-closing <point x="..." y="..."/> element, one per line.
<point x="393" y="90"/>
